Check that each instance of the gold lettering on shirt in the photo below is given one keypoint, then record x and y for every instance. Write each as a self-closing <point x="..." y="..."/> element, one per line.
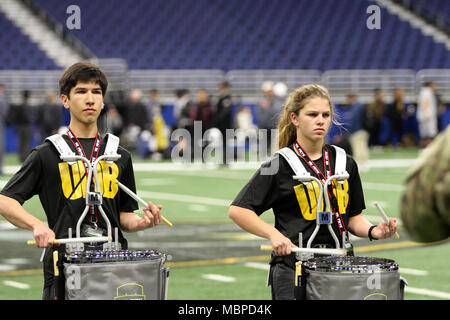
<point x="74" y="189"/>
<point x="308" y="195"/>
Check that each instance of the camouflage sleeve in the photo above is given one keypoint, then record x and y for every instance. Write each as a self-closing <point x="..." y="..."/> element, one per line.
<point x="425" y="202"/>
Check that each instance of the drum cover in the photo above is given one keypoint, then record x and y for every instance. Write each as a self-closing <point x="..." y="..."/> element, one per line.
<point x="352" y="278"/>
<point x="144" y="279"/>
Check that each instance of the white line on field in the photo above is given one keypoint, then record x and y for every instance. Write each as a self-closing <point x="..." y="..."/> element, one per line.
<point x="184" y="198"/>
<point x="157" y="181"/>
<point x="427" y="292"/>
<point x="382" y="186"/>
<point x="5" y="225"/>
<point x="16" y="261"/>
<point x="218" y="277"/>
<point x="265" y="266"/>
<point x="15" y="284"/>
<point x="413" y="272"/>
<point x="7" y="267"/>
<point x="243" y="165"/>
<point x="197" y="207"/>
<point x="257" y="265"/>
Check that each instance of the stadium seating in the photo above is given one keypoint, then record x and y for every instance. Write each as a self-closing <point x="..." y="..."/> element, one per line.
<point x="246" y="34"/>
<point x="435" y="11"/>
<point x="18" y="51"/>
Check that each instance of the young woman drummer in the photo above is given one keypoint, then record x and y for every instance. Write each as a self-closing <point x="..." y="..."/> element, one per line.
<point x="303" y="126"/>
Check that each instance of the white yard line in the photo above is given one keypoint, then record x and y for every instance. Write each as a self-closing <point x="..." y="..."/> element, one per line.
<point x="427" y="292"/>
<point x="149" y="195"/>
<point x="218" y="277"/>
<point x="7" y="267"/>
<point x="244" y="165"/>
<point x="414" y="272"/>
<point x="382" y="186"/>
<point x="257" y="265"/>
<point x="5" y="225"/>
<point x="157" y="181"/>
<point x="15" y="284"/>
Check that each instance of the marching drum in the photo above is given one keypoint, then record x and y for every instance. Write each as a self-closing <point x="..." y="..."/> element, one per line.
<point x="116" y="275"/>
<point x="352" y="278"/>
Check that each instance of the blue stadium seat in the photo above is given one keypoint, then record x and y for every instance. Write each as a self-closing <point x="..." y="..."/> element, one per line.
<point x="246" y="34"/>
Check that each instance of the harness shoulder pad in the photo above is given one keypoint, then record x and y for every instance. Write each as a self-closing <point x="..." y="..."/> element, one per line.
<point x="293" y="160"/>
<point x="341" y="160"/>
<point x="112" y="144"/>
<point x="61" y="145"/>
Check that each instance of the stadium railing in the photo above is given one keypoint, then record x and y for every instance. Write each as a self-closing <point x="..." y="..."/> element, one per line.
<point x="440" y="76"/>
<point x="364" y="82"/>
<point x="245" y="84"/>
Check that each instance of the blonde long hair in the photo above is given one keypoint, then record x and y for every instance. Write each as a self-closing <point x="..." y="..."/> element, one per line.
<point x="296" y="100"/>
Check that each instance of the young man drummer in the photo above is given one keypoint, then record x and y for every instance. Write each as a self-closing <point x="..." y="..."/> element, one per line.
<point x="61" y="186"/>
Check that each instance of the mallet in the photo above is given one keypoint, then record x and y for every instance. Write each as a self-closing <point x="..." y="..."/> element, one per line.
<point x="384" y="216"/>
<point x="138" y="199"/>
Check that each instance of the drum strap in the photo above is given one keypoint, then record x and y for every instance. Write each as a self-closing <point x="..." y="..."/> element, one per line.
<point x="294" y="161"/>
<point x="341" y="160"/>
<point x="299" y="169"/>
<point x="63" y="148"/>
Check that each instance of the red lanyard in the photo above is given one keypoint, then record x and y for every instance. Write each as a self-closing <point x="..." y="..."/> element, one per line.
<point x="79" y="147"/>
<point x="323" y="178"/>
<point x="311" y="163"/>
<point x="80" y="150"/>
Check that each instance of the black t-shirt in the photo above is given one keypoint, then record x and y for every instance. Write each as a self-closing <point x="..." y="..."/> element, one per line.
<point x="294" y="204"/>
<point x="61" y="188"/>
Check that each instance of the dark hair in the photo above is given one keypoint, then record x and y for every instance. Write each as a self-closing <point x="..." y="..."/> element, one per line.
<point x="84" y="72"/>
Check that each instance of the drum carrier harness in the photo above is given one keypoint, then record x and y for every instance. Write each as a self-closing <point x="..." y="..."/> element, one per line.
<point x="322" y="217"/>
<point x="93" y="198"/>
<point x="110" y="273"/>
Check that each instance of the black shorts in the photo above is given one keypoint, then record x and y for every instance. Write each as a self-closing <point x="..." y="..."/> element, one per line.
<point x="282" y="281"/>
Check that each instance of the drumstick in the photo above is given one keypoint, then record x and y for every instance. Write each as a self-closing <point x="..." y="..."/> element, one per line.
<point x="136" y="197"/>
<point x="73" y="240"/>
<point x="310" y="250"/>
<point x="384" y="216"/>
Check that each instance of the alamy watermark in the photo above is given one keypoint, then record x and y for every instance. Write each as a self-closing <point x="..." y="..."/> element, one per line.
<point x="374" y="20"/>
<point x="198" y="146"/>
<point x="73" y="22"/>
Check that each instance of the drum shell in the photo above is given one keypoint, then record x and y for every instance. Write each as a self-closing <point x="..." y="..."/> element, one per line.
<point x="377" y="285"/>
<point x="124" y="280"/>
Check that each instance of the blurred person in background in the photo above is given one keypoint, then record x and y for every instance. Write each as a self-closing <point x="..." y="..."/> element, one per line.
<point x="427" y="113"/>
<point x="136" y="119"/>
<point x="114" y="120"/>
<point x="49" y="117"/>
<point x="203" y="110"/>
<point x="374" y="117"/>
<point x="4" y="111"/>
<point x="181" y="107"/>
<point x="396" y="113"/>
<point x="359" y="137"/>
<point x="222" y="118"/>
<point x="246" y="130"/>
<point x="267" y="113"/>
<point x="158" y="133"/>
<point x="21" y="117"/>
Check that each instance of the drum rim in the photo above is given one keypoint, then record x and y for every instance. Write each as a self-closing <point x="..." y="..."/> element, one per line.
<point x="331" y="264"/>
